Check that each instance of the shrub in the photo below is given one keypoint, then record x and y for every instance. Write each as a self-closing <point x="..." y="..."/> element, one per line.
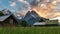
<point x="43" y="19"/>
<point x="1" y="14"/>
<point x="23" y="23"/>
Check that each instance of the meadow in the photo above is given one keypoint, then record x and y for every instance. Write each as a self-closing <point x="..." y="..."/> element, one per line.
<point x="29" y="30"/>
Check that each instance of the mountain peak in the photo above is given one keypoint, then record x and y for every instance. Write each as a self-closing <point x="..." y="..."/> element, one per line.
<point x="31" y="17"/>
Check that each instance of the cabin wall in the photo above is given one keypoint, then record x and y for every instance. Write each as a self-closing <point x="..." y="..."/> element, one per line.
<point x="7" y="22"/>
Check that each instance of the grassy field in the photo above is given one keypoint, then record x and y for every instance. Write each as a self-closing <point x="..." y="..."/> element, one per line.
<point x="30" y="30"/>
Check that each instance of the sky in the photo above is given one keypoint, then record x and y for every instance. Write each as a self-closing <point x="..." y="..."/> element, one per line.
<point x="16" y="5"/>
<point x="22" y="6"/>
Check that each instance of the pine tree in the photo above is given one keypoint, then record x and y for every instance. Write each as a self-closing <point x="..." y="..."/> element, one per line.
<point x="1" y="14"/>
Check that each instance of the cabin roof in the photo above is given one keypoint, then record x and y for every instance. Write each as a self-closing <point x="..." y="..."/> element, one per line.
<point x="2" y="18"/>
<point x="39" y="23"/>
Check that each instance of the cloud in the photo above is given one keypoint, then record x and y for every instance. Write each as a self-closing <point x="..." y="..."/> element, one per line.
<point x="21" y="0"/>
<point x="35" y="2"/>
<point x="25" y="4"/>
<point x="58" y="0"/>
<point x="13" y="4"/>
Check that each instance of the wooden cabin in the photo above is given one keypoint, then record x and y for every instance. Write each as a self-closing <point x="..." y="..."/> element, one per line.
<point x="8" y="20"/>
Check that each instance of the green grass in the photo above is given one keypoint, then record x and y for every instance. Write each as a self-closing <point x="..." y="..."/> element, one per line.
<point x="30" y="30"/>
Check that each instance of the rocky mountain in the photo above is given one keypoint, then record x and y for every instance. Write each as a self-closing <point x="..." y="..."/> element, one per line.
<point x="5" y="11"/>
<point x="31" y="17"/>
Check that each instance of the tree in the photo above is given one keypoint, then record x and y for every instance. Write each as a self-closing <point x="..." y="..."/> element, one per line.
<point x="43" y="19"/>
<point x="1" y="14"/>
<point x="23" y="23"/>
